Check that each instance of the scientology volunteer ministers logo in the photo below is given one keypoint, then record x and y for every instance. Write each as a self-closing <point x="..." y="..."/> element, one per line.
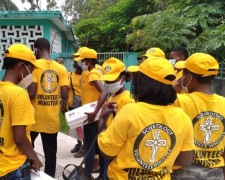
<point x="49" y="81"/>
<point x="153" y="145"/>
<point x="209" y="129"/>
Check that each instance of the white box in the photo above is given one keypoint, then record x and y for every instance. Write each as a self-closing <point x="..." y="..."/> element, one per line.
<point x="76" y="117"/>
<point x="40" y="176"/>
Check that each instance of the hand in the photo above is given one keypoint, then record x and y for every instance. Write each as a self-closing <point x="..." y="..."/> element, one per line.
<point x="105" y="110"/>
<point x="63" y="108"/>
<point x="36" y="164"/>
<point x="177" y="85"/>
<point x="91" y="117"/>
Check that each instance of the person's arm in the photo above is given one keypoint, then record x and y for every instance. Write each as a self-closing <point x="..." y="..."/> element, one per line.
<point x="64" y="97"/>
<point x="101" y="100"/>
<point x="24" y="145"/>
<point x="184" y="158"/>
<point x="32" y="90"/>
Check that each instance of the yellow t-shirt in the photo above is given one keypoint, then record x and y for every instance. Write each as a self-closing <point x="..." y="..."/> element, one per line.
<point x="121" y="99"/>
<point x="46" y="103"/>
<point x="15" y="110"/>
<point x="89" y="93"/>
<point x="146" y="140"/>
<point x="76" y="86"/>
<point x="207" y="113"/>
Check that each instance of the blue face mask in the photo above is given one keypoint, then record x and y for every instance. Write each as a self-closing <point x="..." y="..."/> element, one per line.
<point x="185" y="88"/>
<point x="172" y="61"/>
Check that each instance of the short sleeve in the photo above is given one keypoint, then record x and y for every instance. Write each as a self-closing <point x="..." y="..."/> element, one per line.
<point x="113" y="139"/>
<point x="188" y="143"/>
<point x="64" y="78"/>
<point x="21" y="112"/>
<point x="93" y="76"/>
<point x="35" y="75"/>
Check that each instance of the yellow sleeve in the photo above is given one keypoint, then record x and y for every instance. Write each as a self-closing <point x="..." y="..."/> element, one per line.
<point x="112" y="140"/>
<point x="188" y="144"/>
<point x="64" y="77"/>
<point x="21" y="112"/>
<point x="35" y="74"/>
<point x="93" y="76"/>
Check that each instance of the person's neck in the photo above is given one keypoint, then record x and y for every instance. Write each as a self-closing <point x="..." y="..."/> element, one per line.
<point x="78" y="72"/>
<point x="120" y="91"/>
<point x="45" y="55"/>
<point x="10" y="77"/>
<point x="204" y="88"/>
<point x="90" y="67"/>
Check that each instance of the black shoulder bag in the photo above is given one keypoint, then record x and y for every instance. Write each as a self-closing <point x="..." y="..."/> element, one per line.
<point x="80" y="173"/>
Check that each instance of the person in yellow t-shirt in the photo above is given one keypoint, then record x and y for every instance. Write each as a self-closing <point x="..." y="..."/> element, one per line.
<point x="148" y="137"/>
<point x="16" y="115"/>
<point x="48" y="84"/>
<point x="92" y="90"/>
<point x="114" y="75"/>
<point x="206" y="111"/>
<point x="74" y="101"/>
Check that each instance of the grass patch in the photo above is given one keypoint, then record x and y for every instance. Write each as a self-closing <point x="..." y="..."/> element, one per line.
<point x="64" y="127"/>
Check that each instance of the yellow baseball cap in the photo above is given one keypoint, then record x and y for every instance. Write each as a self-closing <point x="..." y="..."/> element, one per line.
<point x="80" y="50"/>
<point x="179" y="65"/>
<point x="133" y="69"/>
<point x="112" y="68"/>
<point x="154" y="52"/>
<point x="203" y="64"/>
<point x="158" y="69"/>
<point x="85" y="53"/>
<point x="22" y="52"/>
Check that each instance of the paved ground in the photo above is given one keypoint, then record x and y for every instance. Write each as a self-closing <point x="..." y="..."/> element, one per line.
<point x="64" y="157"/>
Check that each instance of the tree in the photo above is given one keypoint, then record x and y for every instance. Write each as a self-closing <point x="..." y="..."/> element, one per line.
<point x="7" y="5"/>
<point x="105" y="29"/>
<point x="198" y="25"/>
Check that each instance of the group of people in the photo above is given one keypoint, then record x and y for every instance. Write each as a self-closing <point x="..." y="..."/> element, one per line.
<point x="170" y="126"/>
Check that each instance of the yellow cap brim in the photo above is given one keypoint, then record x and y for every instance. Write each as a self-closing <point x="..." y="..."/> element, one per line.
<point x="75" y="55"/>
<point x="133" y="68"/>
<point x="180" y="65"/>
<point x="109" y="77"/>
<point x="78" y="58"/>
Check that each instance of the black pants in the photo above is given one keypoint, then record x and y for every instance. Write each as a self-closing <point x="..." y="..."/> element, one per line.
<point x="49" y="142"/>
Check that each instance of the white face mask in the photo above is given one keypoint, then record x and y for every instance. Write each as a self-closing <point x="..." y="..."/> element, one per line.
<point x="185" y="88"/>
<point x="79" y="63"/>
<point x="25" y="82"/>
<point x="114" y="87"/>
<point x="172" y="61"/>
<point x="83" y="66"/>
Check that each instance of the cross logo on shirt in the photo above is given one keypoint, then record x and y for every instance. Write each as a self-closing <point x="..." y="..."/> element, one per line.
<point x="49" y="80"/>
<point x="155" y="144"/>
<point x="208" y="128"/>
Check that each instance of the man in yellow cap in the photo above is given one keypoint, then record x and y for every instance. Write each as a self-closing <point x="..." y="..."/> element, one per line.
<point x="92" y="90"/>
<point x="206" y="111"/>
<point x="17" y="115"/>
<point x="49" y="84"/>
<point x="143" y="140"/>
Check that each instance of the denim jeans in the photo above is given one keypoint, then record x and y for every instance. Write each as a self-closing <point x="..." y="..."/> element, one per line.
<point x="90" y="131"/>
<point x="17" y="174"/>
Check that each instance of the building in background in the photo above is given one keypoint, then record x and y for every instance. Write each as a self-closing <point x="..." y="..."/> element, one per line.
<point x="26" y="26"/>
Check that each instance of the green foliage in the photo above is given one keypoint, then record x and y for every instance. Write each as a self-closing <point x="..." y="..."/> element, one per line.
<point x="7" y="5"/>
<point x="105" y="29"/>
<point x="198" y="25"/>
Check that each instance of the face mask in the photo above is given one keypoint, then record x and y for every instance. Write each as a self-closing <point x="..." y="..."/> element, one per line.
<point x="83" y="66"/>
<point x="25" y="82"/>
<point x="114" y="87"/>
<point x="185" y="88"/>
<point x="172" y="61"/>
<point x="79" y="63"/>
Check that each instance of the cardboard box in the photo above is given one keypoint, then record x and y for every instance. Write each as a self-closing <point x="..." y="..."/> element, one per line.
<point x="40" y="176"/>
<point x="76" y="117"/>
